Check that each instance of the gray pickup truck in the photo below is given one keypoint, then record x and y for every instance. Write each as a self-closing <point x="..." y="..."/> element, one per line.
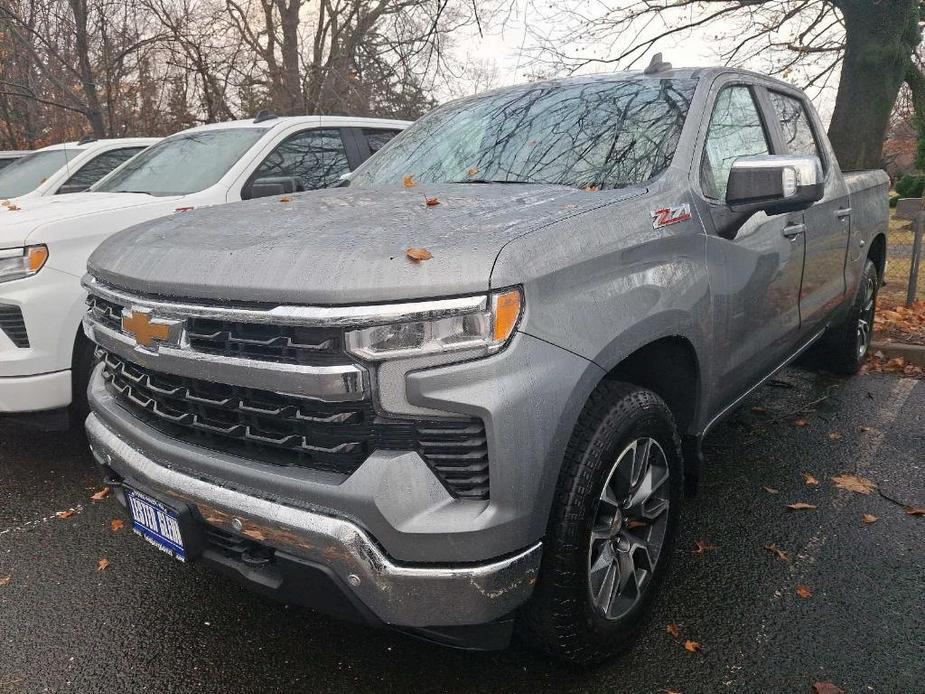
<point x="466" y="392"/>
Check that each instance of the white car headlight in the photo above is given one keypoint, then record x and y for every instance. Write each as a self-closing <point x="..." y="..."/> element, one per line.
<point x="487" y="324"/>
<point x="16" y="263"/>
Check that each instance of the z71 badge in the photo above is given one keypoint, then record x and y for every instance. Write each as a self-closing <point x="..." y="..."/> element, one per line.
<point x="670" y="215"/>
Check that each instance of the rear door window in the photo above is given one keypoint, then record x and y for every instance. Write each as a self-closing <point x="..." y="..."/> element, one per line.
<point x="377" y="139"/>
<point x="735" y="130"/>
<point x="795" y="126"/>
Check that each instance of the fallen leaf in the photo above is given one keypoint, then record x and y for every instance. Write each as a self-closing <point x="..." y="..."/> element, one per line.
<point x="804" y="592"/>
<point x="673" y="630"/>
<point x="759" y="410"/>
<point x="590" y="188"/>
<point x="834" y="436"/>
<point x="13" y="208"/>
<point x="864" y="429"/>
<point x="408" y="182"/>
<point x="912" y="511"/>
<point x="702" y="547"/>
<point x="869" y="518"/>
<point x="117" y="524"/>
<point x="285" y="199"/>
<point x="854" y="483"/>
<point x="810" y="480"/>
<point x="65" y="514"/>
<point x="692" y="646"/>
<point x="774" y="549"/>
<point x="472" y="171"/>
<point x="827" y="688"/>
<point x="801" y="506"/>
<point x="635" y="523"/>
<point x="801" y="423"/>
<point x="5" y="580"/>
<point x="770" y="490"/>
<point x="102" y="564"/>
<point x="101" y="494"/>
<point x="431" y="202"/>
<point x="419" y="255"/>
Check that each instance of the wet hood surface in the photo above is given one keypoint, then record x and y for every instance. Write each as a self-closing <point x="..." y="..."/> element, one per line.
<point x="337" y="246"/>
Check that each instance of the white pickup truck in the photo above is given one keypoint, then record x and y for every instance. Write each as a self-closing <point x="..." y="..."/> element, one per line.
<point x="44" y="244"/>
<point x="68" y="167"/>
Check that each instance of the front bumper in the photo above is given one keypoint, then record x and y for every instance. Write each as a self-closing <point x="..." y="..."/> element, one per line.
<point x="425" y="598"/>
<point x="23" y="394"/>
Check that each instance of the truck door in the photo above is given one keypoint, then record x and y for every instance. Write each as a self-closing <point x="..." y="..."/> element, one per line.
<point x="754" y="275"/>
<point x="827" y="222"/>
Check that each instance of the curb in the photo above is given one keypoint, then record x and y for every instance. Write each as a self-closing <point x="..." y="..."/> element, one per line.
<point x="913" y="354"/>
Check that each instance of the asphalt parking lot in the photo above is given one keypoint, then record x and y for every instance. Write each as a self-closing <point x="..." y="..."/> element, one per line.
<point x="147" y="623"/>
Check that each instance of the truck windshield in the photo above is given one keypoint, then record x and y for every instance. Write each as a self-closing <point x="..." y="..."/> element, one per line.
<point x="182" y="164"/>
<point x="603" y="132"/>
<point x="26" y="174"/>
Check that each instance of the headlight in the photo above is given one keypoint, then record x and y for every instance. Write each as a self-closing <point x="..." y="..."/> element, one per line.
<point x="16" y="263"/>
<point x="486" y="325"/>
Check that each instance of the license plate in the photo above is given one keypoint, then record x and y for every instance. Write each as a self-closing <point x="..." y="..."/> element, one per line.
<point x="156" y="523"/>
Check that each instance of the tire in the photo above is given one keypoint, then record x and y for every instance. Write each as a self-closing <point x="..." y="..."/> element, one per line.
<point x="81" y="369"/>
<point x="845" y="347"/>
<point x="562" y="618"/>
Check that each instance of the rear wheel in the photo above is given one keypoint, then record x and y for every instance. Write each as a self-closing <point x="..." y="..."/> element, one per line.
<point x="846" y="346"/>
<point x="612" y="527"/>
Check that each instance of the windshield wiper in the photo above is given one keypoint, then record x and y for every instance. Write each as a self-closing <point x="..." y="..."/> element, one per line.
<point x="494" y="180"/>
<point x="136" y="192"/>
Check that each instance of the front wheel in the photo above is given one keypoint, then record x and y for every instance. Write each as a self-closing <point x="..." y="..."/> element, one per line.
<point x="611" y="529"/>
<point x="846" y="346"/>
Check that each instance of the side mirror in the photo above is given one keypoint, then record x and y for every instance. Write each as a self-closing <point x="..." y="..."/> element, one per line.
<point x="774" y="184"/>
<point x="274" y="185"/>
<point x="71" y="188"/>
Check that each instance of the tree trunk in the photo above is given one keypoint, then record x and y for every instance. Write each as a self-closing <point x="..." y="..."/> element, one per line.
<point x="94" y="110"/>
<point x="291" y="77"/>
<point x="880" y="38"/>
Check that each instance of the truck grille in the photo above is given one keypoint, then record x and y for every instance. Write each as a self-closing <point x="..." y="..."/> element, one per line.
<point x="13" y="325"/>
<point x="291" y="430"/>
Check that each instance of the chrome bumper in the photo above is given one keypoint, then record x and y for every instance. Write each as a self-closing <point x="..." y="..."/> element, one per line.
<point x="399" y="595"/>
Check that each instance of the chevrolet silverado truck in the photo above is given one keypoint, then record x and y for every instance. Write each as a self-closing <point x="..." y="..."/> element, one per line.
<point x="68" y="167"/>
<point x="45" y="361"/>
<point x="466" y="392"/>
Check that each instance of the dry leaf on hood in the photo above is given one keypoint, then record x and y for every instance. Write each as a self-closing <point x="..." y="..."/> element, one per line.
<point x="408" y="181"/>
<point x="869" y="518"/>
<point x="472" y="171"/>
<point x="804" y="592"/>
<point x="4" y="580"/>
<point x="702" y="546"/>
<point x="116" y="524"/>
<point x="913" y="511"/>
<point x="287" y="199"/>
<point x="770" y="490"/>
<point x="854" y="483"/>
<point x="102" y="564"/>
<point x="65" y="514"/>
<point x="801" y="506"/>
<point x="431" y="202"/>
<point x="801" y="423"/>
<point x="774" y="549"/>
<point x="101" y="494"/>
<point x="692" y="646"/>
<point x="13" y="208"/>
<point x="591" y="188"/>
<point x="673" y="630"/>
<point x="419" y="255"/>
<point x="827" y="688"/>
<point x="810" y="480"/>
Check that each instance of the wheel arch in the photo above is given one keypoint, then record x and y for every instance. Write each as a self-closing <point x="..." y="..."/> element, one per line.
<point x="877" y="254"/>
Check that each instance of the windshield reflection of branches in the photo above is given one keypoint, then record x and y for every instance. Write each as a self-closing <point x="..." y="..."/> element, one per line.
<point x="605" y="133"/>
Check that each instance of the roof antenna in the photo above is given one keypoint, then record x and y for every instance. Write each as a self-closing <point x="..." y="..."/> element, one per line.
<point x="264" y="115"/>
<point x="656" y="65"/>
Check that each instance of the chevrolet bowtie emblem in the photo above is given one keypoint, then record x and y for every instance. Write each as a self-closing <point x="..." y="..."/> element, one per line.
<point x="147" y="330"/>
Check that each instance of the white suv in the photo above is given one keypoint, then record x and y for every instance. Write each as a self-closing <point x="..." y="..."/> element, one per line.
<point x="69" y="167"/>
<point x="44" y="244"/>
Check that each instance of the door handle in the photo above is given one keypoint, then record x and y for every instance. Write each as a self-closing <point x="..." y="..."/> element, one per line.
<point x="791" y="231"/>
<point x="843" y="212"/>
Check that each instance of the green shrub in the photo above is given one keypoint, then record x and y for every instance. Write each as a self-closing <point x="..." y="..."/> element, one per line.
<point x="911" y="186"/>
<point x="894" y="198"/>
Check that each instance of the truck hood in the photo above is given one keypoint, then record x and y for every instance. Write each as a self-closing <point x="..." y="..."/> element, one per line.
<point x="23" y="217"/>
<point x="337" y="246"/>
